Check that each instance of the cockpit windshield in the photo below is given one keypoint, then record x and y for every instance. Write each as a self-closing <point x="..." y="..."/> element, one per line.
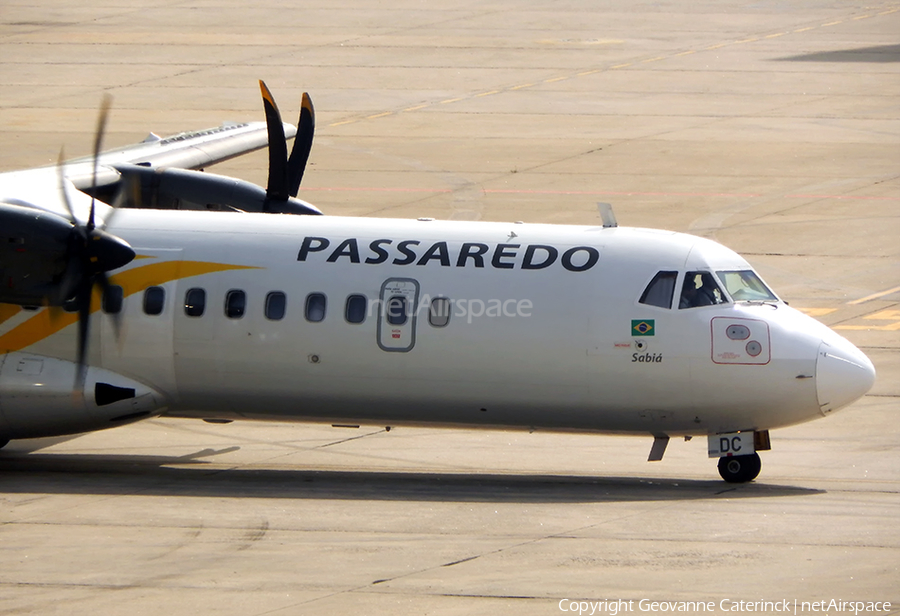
<point x="745" y="286"/>
<point x="700" y="289"/>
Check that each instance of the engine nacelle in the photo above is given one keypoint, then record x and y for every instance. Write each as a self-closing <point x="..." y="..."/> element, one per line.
<point x="163" y="188"/>
<point x="38" y="398"/>
<point x="34" y="247"/>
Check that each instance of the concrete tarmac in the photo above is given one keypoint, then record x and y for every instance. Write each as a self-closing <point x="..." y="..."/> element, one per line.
<point x="772" y="127"/>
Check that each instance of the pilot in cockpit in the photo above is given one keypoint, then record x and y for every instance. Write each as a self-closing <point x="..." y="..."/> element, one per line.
<point x="699" y="289"/>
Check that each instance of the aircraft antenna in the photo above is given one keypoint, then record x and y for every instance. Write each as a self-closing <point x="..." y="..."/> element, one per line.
<point x="607" y="215"/>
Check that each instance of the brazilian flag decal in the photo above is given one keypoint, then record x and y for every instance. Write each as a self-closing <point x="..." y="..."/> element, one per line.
<point x="643" y="327"/>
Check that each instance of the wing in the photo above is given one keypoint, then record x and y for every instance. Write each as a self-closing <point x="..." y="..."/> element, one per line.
<point x="162" y="173"/>
<point x="190" y="150"/>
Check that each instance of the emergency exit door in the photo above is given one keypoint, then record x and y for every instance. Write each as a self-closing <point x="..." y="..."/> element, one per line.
<point x="397" y="314"/>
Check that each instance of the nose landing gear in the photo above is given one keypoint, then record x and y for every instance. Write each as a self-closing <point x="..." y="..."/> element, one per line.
<point x="739" y="469"/>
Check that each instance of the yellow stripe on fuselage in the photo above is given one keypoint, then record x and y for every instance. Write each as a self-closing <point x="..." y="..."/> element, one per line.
<point x="47" y="322"/>
<point x="8" y="311"/>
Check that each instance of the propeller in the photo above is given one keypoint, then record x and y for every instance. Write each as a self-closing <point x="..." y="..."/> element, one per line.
<point x="285" y="174"/>
<point x="91" y="253"/>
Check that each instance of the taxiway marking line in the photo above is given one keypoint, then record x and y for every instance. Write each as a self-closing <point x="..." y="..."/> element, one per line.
<point x="868" y="298"/>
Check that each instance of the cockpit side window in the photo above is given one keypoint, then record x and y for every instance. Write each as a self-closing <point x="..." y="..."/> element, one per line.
<point x="745" y="286"/>
<point x="660" y="290"/>
<point x="700" y="289"/>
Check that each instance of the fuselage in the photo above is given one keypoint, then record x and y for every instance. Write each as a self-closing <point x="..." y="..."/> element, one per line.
<point x="399" y="322"/>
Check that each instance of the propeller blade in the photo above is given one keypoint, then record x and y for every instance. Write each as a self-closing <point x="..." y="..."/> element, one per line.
<point x="277" y="186"/>
<point x="116" y="316"/>
<point x="98" y="143"/>
<point x="73" y="274"/>
<point x="61" y="177"/>
<point x="91" y="252"/>
<point x="306" y="128"/>
<point x="129" y="188"/>
<point x="55" y="313"/>
<point x="83" y="300"/>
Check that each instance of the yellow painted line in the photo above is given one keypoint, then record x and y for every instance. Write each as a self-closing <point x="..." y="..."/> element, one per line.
<point x="884" y="315"/>
<point x="524" y="85"/>
<point x="621" y="65"/>
<point x="684" y="53"/>
<point x="749" y="40"/>
<point x="860" y="17"/>
<point x="379" y="115"/>
<point x="893" y="327"/>
<point x="881" y="315"/>
<point x="491" y="93"/>
<point x="832" y="23"/>
<point x="869" y="298"/>
<point x="657" y="59"/>
<point x="776" y="35"/>
<point x="889" y="11"/>
<point x="591" y="72"/>
<point x="719" y="46"/>
<point x="451" y="100"/>
<point x="417" y="107"/>
<point x="556" y="79"/>
<point x="344" y="122"/>
<point x="817" y="312"/>
<point x="804" y="29"/>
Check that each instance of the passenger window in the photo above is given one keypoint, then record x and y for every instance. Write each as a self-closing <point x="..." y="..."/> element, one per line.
<point x="660" y="290"/>
<point x="235" y="304"/>
<point x="276" y="303"/>
<point x="154" y="300"/>
<point x="315" y="307"/>
<point x="194" y="302"/>
<point x="700" y="289"/>
<point x="439" y="312"/>
<point x="112" y="299"/>
<point x="397" y="309"/>
<point x="355" y="311"/>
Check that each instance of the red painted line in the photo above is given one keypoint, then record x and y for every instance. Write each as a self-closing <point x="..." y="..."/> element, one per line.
<point x="618" y="193"/>
<point x="513" y="191"/>
<point x="368" y="189"/>
<point x="519" y="191"/>
<point x="858" y="197"/>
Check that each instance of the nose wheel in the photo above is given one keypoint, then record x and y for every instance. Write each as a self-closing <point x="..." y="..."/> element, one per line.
<point x="739" y="469"/>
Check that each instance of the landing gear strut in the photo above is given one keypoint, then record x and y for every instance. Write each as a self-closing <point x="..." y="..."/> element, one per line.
<point x="739" y="469"/>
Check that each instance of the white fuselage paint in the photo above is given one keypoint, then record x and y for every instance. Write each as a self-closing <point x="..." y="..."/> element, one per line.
<point x="572" y="363"/>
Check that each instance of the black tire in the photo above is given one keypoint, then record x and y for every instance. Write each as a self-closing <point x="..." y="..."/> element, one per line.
<point x="3" y="443"/>
<point x="740" y="469"/>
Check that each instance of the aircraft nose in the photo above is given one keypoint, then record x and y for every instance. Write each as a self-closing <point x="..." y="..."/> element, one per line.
<point x="843" y="374"/>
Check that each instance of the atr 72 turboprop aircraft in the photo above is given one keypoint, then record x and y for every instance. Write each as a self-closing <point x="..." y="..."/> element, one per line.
<point x="123" y="297"/>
